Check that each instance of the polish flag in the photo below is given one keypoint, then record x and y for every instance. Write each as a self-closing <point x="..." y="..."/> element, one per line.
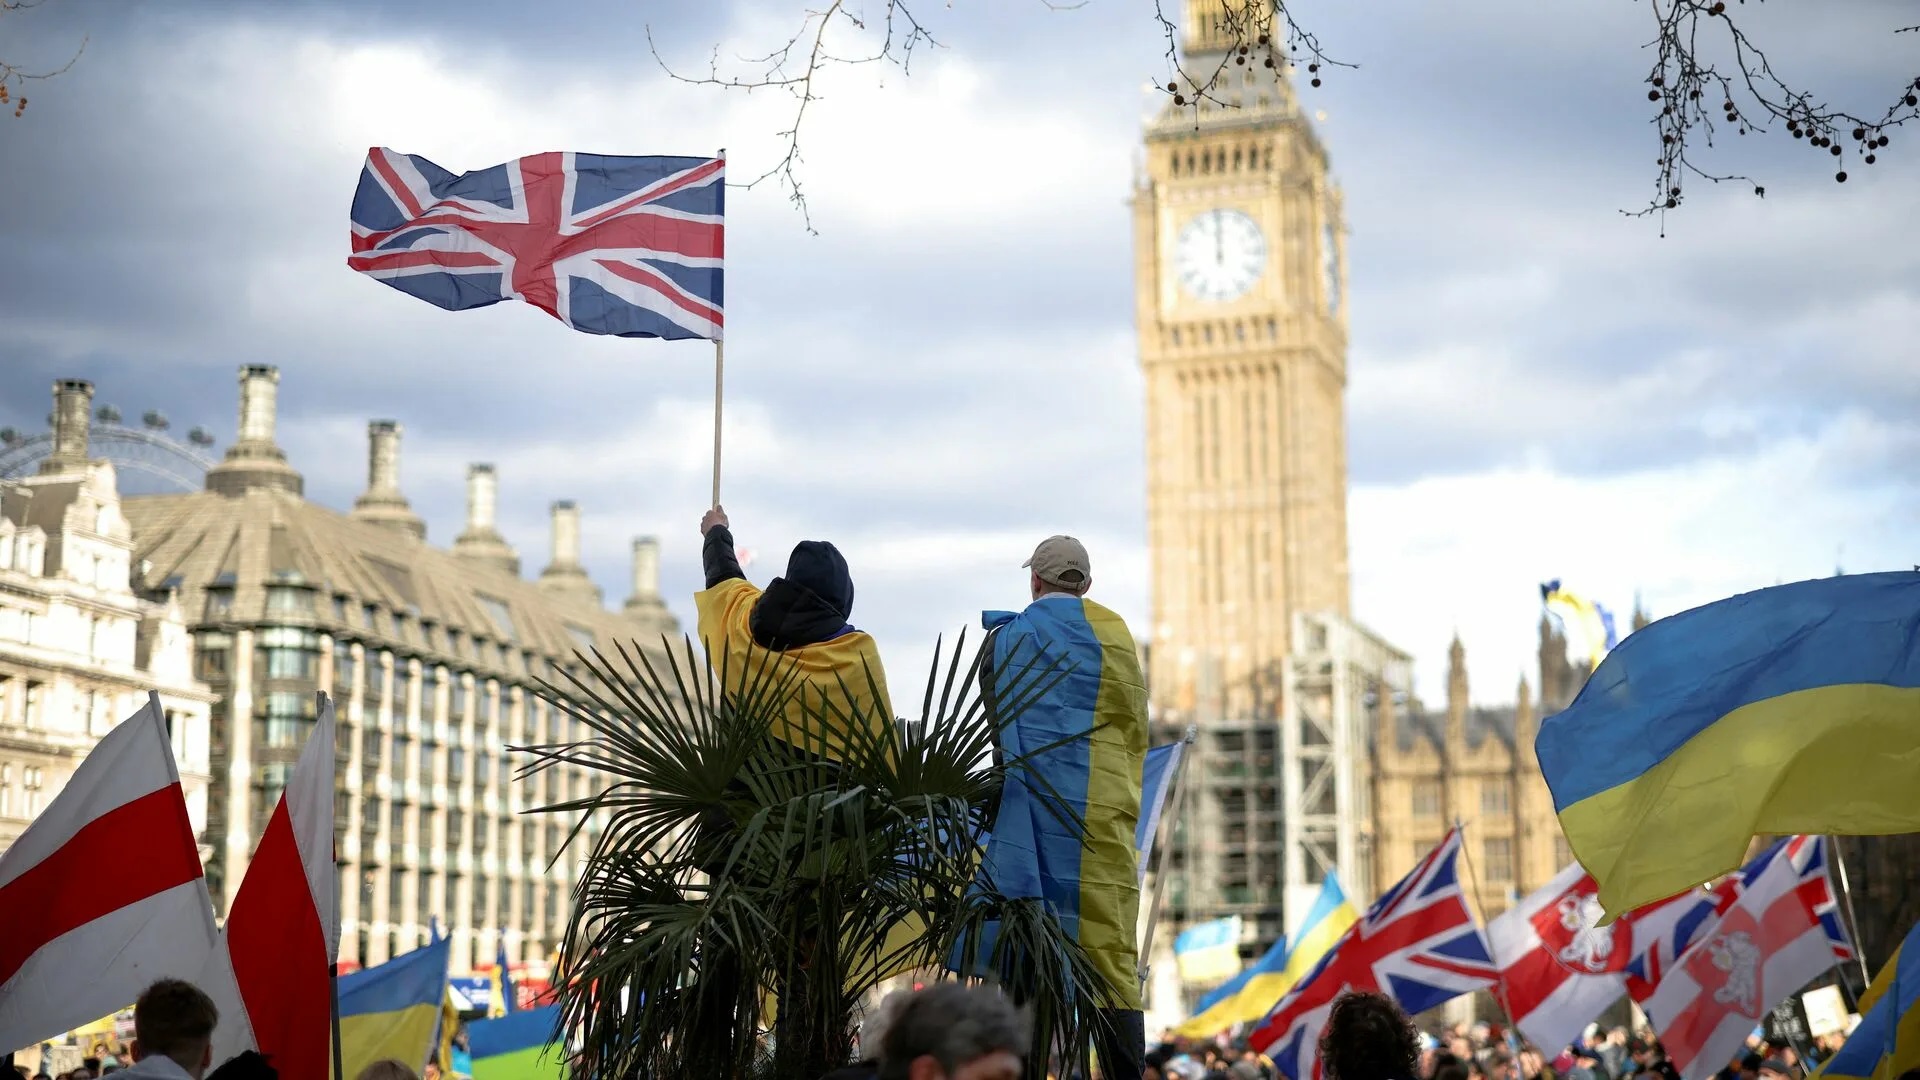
<point x="104" y="892"/>
<point x="270" y="974"/>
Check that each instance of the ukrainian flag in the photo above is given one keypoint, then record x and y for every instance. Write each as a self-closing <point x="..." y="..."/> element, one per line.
<point x="519" y="1046"/>
<point x="1084" y="744"/>
<point x="390" y="1011"/>
<point x="1589" y="623"/>
<point x="1887" y="1042"/>
<point x="1794" y="709"/>
<point x="1254" y="992"/>
<point x="1209" y="951"/>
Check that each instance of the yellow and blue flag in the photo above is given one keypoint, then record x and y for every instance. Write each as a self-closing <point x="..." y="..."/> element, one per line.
<point x="1083" y="745"/>
<point x="390" y="1011"/>
<point x="520" y="1046"/>
<point x="1209" y="951"/>
<point x="1589" y="625"/>
<point x="1887" y="1042"/>
<point x="1794" y="709"/>
<point x="1254" y="992"/>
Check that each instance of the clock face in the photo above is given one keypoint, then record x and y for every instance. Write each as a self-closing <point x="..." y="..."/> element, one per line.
<point x="1330" y="262"/>
<point x="1219" y="255"/>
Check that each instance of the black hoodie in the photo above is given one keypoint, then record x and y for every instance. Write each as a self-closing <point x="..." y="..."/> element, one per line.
<point x="809" y="605"/>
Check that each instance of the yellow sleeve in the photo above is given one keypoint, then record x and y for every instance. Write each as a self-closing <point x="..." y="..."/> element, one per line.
<point x="722" y="613"/>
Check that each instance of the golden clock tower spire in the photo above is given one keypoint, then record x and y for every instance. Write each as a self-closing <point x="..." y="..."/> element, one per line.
<point x="1242" y="325"/>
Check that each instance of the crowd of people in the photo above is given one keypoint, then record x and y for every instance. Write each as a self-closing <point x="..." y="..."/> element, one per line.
<point x="1368" y="1037"/>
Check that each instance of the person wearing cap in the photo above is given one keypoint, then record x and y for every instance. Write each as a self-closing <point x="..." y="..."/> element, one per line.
<point x="1081" y="733"/>
<point x="798" y="628"/>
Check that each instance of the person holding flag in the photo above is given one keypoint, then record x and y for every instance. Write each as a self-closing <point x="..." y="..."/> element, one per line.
<point x="795" y="633"/>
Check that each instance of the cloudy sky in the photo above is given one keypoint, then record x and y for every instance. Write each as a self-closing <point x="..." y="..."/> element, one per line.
<point x="945" y="371"/>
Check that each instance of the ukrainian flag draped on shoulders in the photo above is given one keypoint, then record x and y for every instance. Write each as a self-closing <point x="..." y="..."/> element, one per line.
<point x="1794" y="709"/>
<point x="390" y="1011"/>
<point x="1084" y="740"/>
<point x="1887" y="1041"/>
<point x="1254" y="992"/>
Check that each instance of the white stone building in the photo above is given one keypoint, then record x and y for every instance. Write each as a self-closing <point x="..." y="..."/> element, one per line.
<point x="80" y="650"/>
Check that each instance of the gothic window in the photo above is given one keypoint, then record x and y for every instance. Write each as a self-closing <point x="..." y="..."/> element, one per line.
<point x="1496" y="796"/>
<point x="1426" y="798"/>
<point x="6" y="790"/>
<point x="1499" y="852"/>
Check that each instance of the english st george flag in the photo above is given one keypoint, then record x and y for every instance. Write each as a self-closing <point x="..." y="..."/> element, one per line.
<point x="630" y="246"/>
<point x="86" y="927"/>
<point x="1418" y="944"/>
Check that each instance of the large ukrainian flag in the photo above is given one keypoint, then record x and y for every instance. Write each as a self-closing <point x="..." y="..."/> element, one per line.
<point x="518" y="1046"/>
<point x="1794" y="709"/>
<point x="1254" y="992"/>
<point x="389" y="1011"/>
<point x="1887" y="1042"/>
<point x="1085" y="741"/>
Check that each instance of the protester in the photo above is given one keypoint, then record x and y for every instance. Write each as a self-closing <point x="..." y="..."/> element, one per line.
<point x="1081" y="728"/>
<point x="389" y="1069"/>
<point x="173" y="1024"/>
<point x="1368" y="1037"/>
<point x="873" y="1034"/>
<point x="952" y="1031"/>
<point x="797" y="626"/>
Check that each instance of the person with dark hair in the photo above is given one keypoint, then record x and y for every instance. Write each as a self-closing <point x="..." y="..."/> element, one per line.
<point x="172" y="1032"/>
<point x="796" y="629"/>
<point x="1369" y="1037"/>
<point x="951" y="1031"/>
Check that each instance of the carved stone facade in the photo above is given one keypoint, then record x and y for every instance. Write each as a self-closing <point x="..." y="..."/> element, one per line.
<point x="79" y="649"/>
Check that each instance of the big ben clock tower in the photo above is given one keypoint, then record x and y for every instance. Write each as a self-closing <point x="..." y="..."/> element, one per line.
<point x="1243" y="341"/>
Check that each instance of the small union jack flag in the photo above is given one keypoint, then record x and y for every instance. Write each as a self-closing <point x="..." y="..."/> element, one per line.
<point x="1418" y="944"/>
<point x="630" y="246"/>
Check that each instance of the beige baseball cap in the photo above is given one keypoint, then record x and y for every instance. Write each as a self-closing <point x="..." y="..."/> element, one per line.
<point x="1062" y="561"/>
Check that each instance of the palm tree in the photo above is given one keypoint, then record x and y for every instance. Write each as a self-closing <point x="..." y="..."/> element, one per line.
<point x="745" y="896"/>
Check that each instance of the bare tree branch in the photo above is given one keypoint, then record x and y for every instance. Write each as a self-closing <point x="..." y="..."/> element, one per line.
<point x="900" y="34"/>
<point x="1688" y="87"/>
<point x="1687" y="84"/>
<point x="13" y="77"/>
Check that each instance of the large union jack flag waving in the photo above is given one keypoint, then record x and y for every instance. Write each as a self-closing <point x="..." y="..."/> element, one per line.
<point x="630" y="246"/>
<point x="1418" y="944"/>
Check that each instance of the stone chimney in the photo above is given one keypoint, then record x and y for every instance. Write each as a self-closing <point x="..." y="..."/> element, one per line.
<point x="564" y="576"/>
<point x="481" y="541"/>
<point x="72" y="426"/>
<point x="644" y="605"/>
<point x="383" y="504"/>
<point x="255" y="462"/>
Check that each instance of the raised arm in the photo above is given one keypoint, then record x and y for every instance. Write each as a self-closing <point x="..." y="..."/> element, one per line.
<point x="717" y="553"/>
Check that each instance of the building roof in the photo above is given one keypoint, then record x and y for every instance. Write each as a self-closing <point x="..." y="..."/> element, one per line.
<point x="1483" y="723"/>
<point x="263" y="537"/>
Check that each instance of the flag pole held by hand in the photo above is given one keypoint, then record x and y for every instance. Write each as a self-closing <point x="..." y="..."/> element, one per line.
<point x="719" y="390"/>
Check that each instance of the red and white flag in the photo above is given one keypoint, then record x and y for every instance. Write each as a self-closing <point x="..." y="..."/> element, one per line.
<point x="270" y="974"/>
<point x="1559" y="968"/>
<point x="1767" y="945"/>
<point x="104" y="892"/>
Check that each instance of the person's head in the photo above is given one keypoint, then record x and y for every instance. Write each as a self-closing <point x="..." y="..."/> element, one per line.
<point x="819" y="566"/>
<point x="175" y="1019"/>
<point x="1368" y="1037"/>
<point x="873" y="1029"/>
<point x="1452" y="1069"/>
<point x="951" y="1031"/>
<point x="1643" y="1051"/>
<point x="1499" y="1065"/>
<point x="389" y="1069"/>
<point x="1059" y="564"/>
<point x="1775" y="1068"/>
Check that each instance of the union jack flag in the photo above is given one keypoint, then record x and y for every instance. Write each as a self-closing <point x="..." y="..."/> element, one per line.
<point x="630" y="246"/>
<point x="1418" y="944"/>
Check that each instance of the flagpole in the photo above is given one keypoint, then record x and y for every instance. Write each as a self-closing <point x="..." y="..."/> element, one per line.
<point x="1846" y="901"/>
<point x="333" y="980"/>
<point x="719" y="360"/>
<point x="1160" y="879"/>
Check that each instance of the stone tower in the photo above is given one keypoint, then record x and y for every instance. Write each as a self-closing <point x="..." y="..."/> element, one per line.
<point x="1241" y="316"/>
